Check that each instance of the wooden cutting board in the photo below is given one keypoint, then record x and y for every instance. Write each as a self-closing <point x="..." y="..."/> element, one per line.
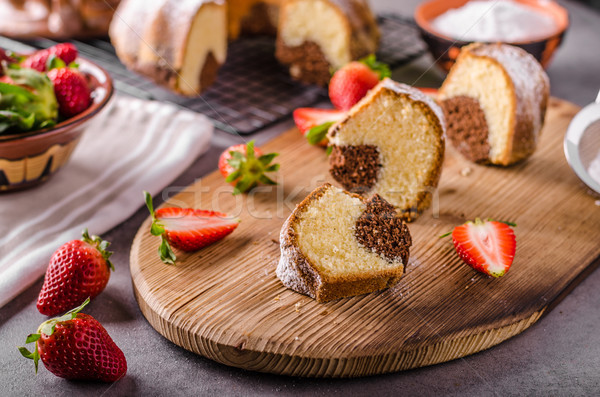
<point x="226" y="303"/>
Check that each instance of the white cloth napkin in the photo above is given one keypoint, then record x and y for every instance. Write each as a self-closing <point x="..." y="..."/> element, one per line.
<point x="134" y="145"/>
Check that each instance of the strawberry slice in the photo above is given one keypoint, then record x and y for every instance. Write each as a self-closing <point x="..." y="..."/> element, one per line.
<point x="314" y="123"/>
<point x="487" y="246"/>
<point x="187" y="229"/>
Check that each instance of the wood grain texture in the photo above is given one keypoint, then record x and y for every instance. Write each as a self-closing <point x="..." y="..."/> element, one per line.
<point x="225" y="302"/>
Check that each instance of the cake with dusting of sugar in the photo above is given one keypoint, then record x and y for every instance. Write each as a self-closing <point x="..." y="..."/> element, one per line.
<point x="336" y="244"/>
<point x="181" y="44"/>
<point x="391" y="143"/>
<point x="317" y="36"/>
<point x="494" y="100"/>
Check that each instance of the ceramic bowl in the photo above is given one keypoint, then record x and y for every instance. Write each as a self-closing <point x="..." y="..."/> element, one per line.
<point x="29" y="159"/>
<point x="445" y="49"/>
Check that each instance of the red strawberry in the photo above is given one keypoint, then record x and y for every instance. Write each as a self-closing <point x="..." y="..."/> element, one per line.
<point x="76" y="346"/>
<point x="187" y="229"/>
<point x="79" y="269"/>
<point x="314" y="123"/>
<point x="487" y="246"/>
<point x="39" y="59"/>
<point x="5" y="59"/>
<point x="351" y="82"/>
<point x="72" y="91"/>
<point x="244" y="166"/>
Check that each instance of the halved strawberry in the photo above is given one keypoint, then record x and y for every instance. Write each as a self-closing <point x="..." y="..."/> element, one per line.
<point x="487" y="246"/>
<point x="187" y="229"/>
<point x="352" y="81"/>
<point x="244" y="166"/>
<point x="314" y="123"/>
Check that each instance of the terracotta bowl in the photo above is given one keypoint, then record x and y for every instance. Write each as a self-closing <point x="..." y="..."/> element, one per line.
<point x="31" y="158"/>
<point x="445" y="49"/>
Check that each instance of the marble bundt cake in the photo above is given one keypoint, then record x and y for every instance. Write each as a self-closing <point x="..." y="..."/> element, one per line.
<point x="494" y="99"/>
<point x="391" y="143"/>
<point x="336" y="244"/>
<point x="318" y="36"/>
<point x="60" y="19"/>
<point x="180" y="44"/>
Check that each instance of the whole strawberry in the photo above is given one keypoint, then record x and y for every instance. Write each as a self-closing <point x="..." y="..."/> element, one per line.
<point x="351" y="82"/>
<point x="76" y="346"/>
<point x="187" y="229"/>
<point x="79" y="269"/>
<point x="39" y="59"/>
<point x="71" y="89"/>
<point x="244" y="166"/>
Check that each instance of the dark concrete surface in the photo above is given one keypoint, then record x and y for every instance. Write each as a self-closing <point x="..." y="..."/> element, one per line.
<point x="560" y="355"/>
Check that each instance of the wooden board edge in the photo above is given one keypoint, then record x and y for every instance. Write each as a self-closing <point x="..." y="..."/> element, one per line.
<point x="358" y="366"/>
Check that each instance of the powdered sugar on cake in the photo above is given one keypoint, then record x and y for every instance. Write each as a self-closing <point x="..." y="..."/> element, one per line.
<point x="528" y="76"/>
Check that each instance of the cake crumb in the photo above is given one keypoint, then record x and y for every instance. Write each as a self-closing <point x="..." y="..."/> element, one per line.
<point x="277" y="298"/>
<point x="274" y="241"/>
<point x="297" y="306"/>
<point x="296" y="338"/>
<point x="597" y="202"/>
<point x="466" y="171"/>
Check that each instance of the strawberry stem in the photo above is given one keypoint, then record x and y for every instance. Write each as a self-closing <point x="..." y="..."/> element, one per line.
<point x="165" y="252"/>
<point x="445" y="235"/>
<point x="101" y="246"/>
<point x="249" y="170"/>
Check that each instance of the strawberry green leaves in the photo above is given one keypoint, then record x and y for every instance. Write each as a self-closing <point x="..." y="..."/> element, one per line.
<point x="47" y="328"/>
<point x="101" y="246"/>
<point x="382" y="69"/>
<point x="245" y="170"/>
<point x="316" y="134"/>
<point x="165" y="251"/>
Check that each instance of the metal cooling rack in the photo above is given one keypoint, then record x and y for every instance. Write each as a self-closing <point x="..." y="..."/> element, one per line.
<point x="252" y="90"/>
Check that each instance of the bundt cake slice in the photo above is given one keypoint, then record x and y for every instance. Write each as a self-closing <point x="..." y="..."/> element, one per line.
<point x="336" y="244"/>
<point x="391" y="143"/>
<point x="178" y="44"/>
<point x="494" y="99"/>
<point x="317" y="36"/>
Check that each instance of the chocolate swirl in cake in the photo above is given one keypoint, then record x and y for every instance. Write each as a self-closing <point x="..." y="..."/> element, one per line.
<point x="379" y="228"/>
<point x="467" y="127"/>
<point x="355" y="167"/>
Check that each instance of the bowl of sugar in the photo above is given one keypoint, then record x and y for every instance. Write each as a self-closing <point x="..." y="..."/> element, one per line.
<point x="537" y="26"/>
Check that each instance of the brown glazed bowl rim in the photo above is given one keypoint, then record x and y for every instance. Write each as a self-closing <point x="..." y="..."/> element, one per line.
<point x="424" y="15"/>
<point x="102" y="91"/>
